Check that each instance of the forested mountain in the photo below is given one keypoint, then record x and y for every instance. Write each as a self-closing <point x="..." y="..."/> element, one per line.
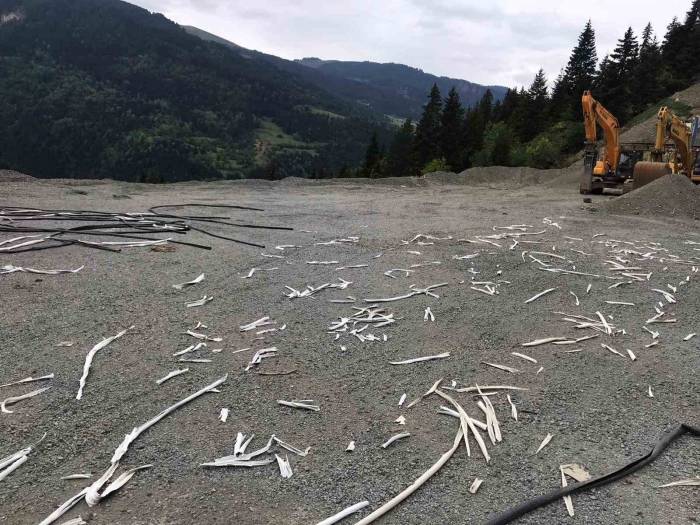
<point x="395" y="90"/>
<point x="403" y="88"/>
<point x="102" y="88"/>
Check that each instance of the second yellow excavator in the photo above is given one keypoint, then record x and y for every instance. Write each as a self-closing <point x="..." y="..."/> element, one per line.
<point x="684" y="157"/>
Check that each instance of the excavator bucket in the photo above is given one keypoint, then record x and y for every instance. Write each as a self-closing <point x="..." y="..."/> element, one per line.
<point x="646" y="172"/>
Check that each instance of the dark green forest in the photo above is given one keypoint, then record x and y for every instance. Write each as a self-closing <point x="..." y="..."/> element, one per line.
<point x="102" y="88"/>
<point x="536" y="126"/>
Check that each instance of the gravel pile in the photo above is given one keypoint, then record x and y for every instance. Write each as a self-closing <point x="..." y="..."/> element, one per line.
<point x="14" y="176"/>
<point x="669" y="196"/>
<point x="500" y="177"/>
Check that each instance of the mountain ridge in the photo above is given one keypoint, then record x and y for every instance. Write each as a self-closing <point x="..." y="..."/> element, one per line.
<point x="389" y="88"/>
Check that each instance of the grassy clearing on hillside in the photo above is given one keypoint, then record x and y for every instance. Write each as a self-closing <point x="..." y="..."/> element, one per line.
<point x="320" y="111"/>
<point x="271" y="139"/>
<point x="679" y="108"/>
<point x="395" y="121"/>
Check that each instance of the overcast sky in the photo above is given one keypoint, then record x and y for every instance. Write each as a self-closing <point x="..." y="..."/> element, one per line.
<point x="487" y="41"/>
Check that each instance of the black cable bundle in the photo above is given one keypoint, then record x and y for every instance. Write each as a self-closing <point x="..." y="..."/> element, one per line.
<point x="121" y="225"/>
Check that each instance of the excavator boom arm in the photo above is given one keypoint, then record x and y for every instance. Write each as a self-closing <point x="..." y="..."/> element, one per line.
<point x="594" y="113"/>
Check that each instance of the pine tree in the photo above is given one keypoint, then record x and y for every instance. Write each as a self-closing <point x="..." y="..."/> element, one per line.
<point x="559" y="103"/>
<point x="508" y="105"/>
<point x="687" y="60"/>
<point x="475" y="122"/>
<point x="535" y="101"/>
<point x="427" y="140"/>
<point x="399" y="160"/>
<point x="615" y="87"/>
<point x="518" y="121"/>
<point x="373" y="157"/>
<point x="451" y="146"/>
<point x="626" y="53"/>
<point x="649" y="71"/>
<point x="671" y="51"/>
<point x="486" y="106"/>
<point x="606" y="80"/>
<point x="579" y="73"/>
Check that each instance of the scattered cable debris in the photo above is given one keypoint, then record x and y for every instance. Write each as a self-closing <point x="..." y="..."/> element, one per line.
<point x="91" y="355"/>
<point x="16" y="399"/>
<point x="342" y="284"/>
<point x="537" y="296"/>
<point x="12" y="462"/>
<point x="305" y="404"/>
<point x="420" y="359"/>
<point x="194" y="281"/>
<point x="91" y="493"/>
<point x="77" y="476"/>
<point x="172" y="374"/>
<point x="201" y="302"/>
<point x="414" y="291"/>
<point x="544" y="443"/>
<point x="691" y="482"/>
<point x="394" y="438"/>
<point x="475" y="485"/>
<point x="28" y="380"/>
<point x="502" y="367"/>
<point x="261" y="354"/>
<point x="9" y="268"/>
<point x="352" y="509"/>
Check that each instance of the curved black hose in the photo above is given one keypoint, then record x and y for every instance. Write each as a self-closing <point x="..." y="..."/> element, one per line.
<point x="540" y="501"/>
<point x="115" y="224"/>
<point x="205" y="232"/>
<point x="203" y="206"/>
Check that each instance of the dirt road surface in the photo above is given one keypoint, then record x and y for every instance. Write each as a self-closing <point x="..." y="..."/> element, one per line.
<point x="594" y="403"/>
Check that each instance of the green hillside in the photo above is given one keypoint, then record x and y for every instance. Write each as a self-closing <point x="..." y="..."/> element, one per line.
<point x="102" y="88"/>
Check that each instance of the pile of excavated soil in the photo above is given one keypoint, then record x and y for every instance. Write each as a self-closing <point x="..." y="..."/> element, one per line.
<point x="501" y="177"/>
<point x="669" y="196"/>
<point x="14" y="176"/>
<point x="495" y="177"/>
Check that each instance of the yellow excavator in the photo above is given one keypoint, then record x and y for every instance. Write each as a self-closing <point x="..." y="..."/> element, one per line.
<point x="684" y="158"/>
<point x="607" y="171"/>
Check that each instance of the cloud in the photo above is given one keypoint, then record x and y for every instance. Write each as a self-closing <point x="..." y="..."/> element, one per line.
<point x="491" y="42"/>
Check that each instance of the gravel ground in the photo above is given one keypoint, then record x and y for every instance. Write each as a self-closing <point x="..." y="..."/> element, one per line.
<point x="594" y="403"/>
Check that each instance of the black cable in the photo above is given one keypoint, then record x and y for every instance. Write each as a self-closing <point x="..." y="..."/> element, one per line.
<point x="205" y="232"/>
<point x="244" y="225"/>
<point x="122" y="224"/>
<point x="215" y="219"/>
<point x="204" y="206"/>
<point x="540" y="501"/>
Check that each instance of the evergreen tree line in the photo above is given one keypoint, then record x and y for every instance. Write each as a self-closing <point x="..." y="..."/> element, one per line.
<point x="537" y="126"/>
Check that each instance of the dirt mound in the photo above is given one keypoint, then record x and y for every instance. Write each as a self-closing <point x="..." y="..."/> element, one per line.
<point x="669" y="196"/>
<point x="500" y="177"/>
<point x="14" y="176"/>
